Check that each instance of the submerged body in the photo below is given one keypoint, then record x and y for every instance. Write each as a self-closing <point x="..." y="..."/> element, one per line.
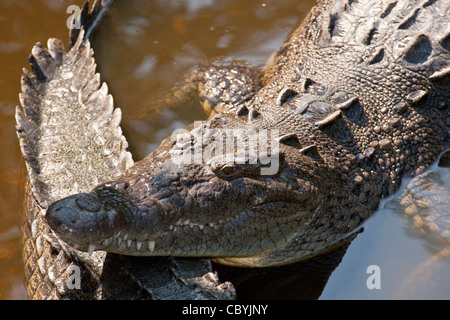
<point x="354" y="100"/>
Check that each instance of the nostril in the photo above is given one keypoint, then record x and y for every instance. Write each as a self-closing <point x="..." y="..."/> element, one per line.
<point x="88" y="202"/>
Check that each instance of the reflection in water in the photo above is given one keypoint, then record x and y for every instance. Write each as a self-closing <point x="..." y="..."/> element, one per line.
<point x="425" y="205"/>
<point x="141" y="49"/>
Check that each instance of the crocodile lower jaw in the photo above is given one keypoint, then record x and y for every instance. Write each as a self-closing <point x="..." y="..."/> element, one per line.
<point x="122" y="242"/>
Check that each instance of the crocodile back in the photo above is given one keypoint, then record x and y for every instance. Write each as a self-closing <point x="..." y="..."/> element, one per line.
<point x="367" y="84"/>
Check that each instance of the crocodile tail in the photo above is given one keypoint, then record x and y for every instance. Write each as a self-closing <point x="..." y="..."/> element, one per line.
<point x="65" y="117"/>
<point x="65" y="89"/>
<point x="89" y="19"/>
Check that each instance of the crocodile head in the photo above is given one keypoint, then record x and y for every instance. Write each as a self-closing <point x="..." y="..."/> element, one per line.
<point x="199" y="194"/>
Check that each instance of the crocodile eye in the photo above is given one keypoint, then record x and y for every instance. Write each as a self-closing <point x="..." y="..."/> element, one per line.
<point x="225" y="171"/>
<point x="228" y="169"/>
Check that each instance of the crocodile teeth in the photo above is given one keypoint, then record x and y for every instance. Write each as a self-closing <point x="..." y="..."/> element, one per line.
<point x="91" y="249"/>
<point x="129" y="242"/>
<point x="190" y="224"/>
<point x="138" y="245"/>
<point x="151" y="245"/>
<point x="119" y="241"/>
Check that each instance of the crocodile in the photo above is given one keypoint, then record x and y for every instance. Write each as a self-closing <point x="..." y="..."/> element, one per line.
<point x="60" y="95"/>
<point x="354" y="100"/>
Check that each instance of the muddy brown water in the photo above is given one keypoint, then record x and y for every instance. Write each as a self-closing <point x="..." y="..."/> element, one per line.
<point x="141" y="48"/>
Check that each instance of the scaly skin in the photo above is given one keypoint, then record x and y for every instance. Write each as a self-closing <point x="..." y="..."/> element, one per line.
<point x="357" y="98"/>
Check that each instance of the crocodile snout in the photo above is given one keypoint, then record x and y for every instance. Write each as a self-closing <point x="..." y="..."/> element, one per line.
<point x="80" y="220"/>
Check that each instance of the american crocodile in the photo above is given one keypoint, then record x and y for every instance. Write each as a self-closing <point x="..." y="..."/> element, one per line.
<point x="391" y="43"/>
<point x="62" y="107"/>
<point x="354" y="100"/>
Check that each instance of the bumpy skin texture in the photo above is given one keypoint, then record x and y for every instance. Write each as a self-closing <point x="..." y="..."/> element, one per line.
<point x="71" y="140"/>
<point x="358" y="97"/>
